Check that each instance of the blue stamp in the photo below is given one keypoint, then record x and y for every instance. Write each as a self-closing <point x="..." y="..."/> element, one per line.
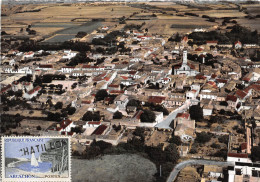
<point x="36" y="159"/>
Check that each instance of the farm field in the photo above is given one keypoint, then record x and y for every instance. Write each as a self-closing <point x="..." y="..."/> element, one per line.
<point x="59" y="22"/>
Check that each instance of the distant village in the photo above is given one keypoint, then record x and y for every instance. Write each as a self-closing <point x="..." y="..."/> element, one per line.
<point x="118" y="84"/>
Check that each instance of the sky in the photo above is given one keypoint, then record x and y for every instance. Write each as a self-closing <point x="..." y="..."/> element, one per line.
<point x="12" y="149"/>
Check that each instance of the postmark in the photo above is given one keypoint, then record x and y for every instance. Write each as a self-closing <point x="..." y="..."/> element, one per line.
<point x="40" y="158"/>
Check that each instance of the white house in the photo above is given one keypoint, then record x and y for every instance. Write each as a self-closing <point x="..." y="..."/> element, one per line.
<point x="247" y="171"/>
<point x="32" y="93"/>
<point x="92" y="124"/>
<point x="238" y="45"/>
<point x="65" y="126"/>
<point x="67" y="69"/>
<point x="68" y="54"/>
<point x="121" y="101"/>
<point x="185" y="69"/>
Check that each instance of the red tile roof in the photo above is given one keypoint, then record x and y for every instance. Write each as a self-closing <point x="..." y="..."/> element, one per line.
<point x="99" y="130"/>
<point x="246" y="79"/>
<point x="113" y="85"/>
<point x="6" y="88"/>
<point x="106" y="78"/>
<point x="89" y="66"/>
<point x="69" y="67"/>
<point x="199" y="49"/>
<point x="46" y="66"/>
<point x="183" y="115"/>
<point x="191" y="65"/>
<point x="94" y="122"/>
<point x="241" y="94"/>
<point x="253" y="86"/>
<point x="213" y="76"/>
<point x="238" y="155"/>
<point x="117" y="91"/>
<point x="156" y="99"/>
<point x="211" y="41"/>
<point x="124" y="77"/>
<point x="37" y="88"/>
<point x="222" y="80"/>
<point x="132" y="72"/>
<point x="243" y="146"/>
<point x="231" y="98"/>
<point x="200" y="77"/>
<point x="85" y="102"/>
<point x="185" y="38"/>
<point x="64" y="124"/>
<point x="16" y="83"/>
<point x="138" y="114"/>
<point x="238" y="42"/>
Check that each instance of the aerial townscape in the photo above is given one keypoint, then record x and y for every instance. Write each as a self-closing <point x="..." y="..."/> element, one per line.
<point x="146" y="91"/>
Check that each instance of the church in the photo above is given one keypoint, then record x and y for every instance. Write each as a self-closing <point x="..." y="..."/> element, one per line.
<point x="185" y="68"/>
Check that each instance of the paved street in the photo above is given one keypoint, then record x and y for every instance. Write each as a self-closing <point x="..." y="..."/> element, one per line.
<point x="165" y="124"/>
<point x="184" y="164"/>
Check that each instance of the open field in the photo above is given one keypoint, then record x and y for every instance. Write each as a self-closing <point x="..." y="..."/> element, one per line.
<point x="56" y="17"/>
<point x="123" y="168"/>
<point x="221" y="13"/>
<point x="65" y="18"/>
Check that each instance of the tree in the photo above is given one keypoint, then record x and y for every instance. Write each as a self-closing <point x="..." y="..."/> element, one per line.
<point x="117" y="128"/>
<point x="54" y="116"/>
<point x="203" y="137"/>
<point x="147" y="116"/>
<point x="10" y="92"/>
<point x="117" y="115"/>
<point x="139" y="131"/>
<point x="91" y="116"/>
<point x="133" y="102"/>
<point x="176" y="140"/>
<point x="101" y="144"/>
<point x="172" y="153"/>
<point x="223" y="103"/>
<point x="77" y="129"/>
<point x="177" y="37"/>
<point x="58" y="105"/>
<point x="101" y="94"/>
<point x="71" y="110"/>
<point x="81" y="34"/>
<point x="255" y="155"/>
<point x="196" y="112"/>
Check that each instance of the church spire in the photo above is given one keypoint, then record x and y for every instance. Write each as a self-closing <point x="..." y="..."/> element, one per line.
<point x="184" y="59"/>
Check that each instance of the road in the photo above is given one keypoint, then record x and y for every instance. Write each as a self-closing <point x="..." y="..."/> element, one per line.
<point x="184" y="164"/>
<point x="165" y="124"/>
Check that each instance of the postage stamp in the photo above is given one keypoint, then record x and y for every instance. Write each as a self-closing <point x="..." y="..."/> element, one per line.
<point x="40" y="158"/>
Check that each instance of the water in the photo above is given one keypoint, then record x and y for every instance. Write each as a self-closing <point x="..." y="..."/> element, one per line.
<point x="42" y="168"/>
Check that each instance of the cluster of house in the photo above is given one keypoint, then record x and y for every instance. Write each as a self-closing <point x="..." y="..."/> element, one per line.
<point x="150" y="74"/>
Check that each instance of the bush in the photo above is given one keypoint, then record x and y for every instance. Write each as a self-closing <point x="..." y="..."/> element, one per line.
<point x="91" y="116"/>
<point x="255" y="155"/>
<point x="224" y="139"/>
<point x="196" y="112"/>
<point x="81" y="34"/>
<point x="203" y="137"/>
<point x="176" y="140"/>
<point x="58" y="105"/>
<point x="101" y="94"/>
<point x="215" y="146"/>
<point x="147" y="116"/>
<point x="117" y="115"/>
<point x="193" y="151"/>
